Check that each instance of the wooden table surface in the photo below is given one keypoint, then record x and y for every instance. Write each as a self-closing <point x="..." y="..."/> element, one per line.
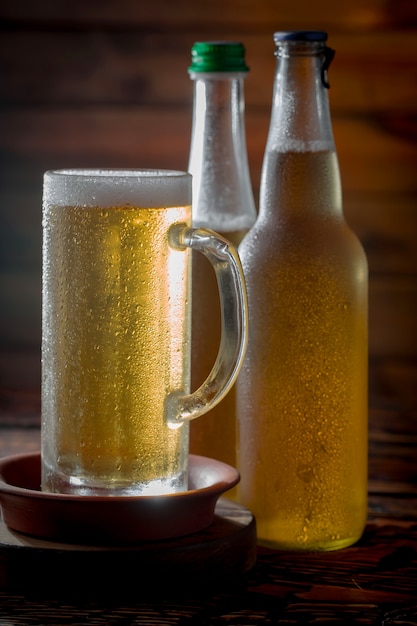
<point x="373" y="582"/>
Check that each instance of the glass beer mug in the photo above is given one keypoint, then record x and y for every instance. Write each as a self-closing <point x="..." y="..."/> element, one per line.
<point x="116" y="323"/>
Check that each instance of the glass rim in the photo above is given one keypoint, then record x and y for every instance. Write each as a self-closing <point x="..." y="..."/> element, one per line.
<point x="116" y="173"/>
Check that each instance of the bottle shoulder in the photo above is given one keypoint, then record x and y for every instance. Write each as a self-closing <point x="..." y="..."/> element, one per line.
<point x="300" y="243"/>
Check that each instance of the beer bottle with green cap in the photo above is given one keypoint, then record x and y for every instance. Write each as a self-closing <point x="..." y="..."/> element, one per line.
<point x="223" y="201"/>
<point x="302" y="392"/>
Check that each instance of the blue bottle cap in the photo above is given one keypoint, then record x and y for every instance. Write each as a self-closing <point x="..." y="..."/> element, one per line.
<point x="300" y="35"/>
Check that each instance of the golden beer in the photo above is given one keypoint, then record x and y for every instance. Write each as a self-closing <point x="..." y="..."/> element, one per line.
<point x="302" y="401"/>
<point x="215" y="435"/>
<point x="116" y="343"/>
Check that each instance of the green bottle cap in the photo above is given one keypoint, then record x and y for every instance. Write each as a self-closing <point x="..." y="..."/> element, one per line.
<point x="218" y="56"/>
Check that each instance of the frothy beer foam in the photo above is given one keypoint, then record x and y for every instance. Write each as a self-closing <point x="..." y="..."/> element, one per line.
<point x="116" y="187"/>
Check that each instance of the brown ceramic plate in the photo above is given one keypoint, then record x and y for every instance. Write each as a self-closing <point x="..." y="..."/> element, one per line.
<point x="115" y="519"/>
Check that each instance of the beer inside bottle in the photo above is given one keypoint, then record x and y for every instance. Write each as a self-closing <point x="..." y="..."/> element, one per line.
<point x="214" y="435"/>
<point x="305" y="377"/>
<point x="302" y="393"/>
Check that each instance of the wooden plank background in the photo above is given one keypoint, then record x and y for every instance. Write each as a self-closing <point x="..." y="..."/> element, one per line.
<point x="104" y="83"/>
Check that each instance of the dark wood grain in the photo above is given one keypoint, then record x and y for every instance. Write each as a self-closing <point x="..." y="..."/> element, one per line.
<point x="65" y="66"/>
<point x="223" y="551"/>
<point x="241" y="15"/>
<point x="368" y="583"/>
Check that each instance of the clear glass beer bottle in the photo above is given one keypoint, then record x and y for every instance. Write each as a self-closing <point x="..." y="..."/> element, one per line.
<point x="302" y="393"/>
<point x="223" y="201"/>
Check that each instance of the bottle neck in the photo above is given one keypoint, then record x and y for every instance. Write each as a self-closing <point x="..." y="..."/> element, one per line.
<point x="300" y="117"/>
<point x="222" y="192"/>
<point x="300" y="174"/>
<point x="217" y="111"/>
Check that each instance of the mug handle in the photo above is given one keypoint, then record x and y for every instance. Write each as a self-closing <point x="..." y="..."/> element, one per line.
<point x="234" y="323"/>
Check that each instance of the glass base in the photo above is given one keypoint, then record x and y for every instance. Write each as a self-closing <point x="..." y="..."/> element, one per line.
<point x="82" y="486"/>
